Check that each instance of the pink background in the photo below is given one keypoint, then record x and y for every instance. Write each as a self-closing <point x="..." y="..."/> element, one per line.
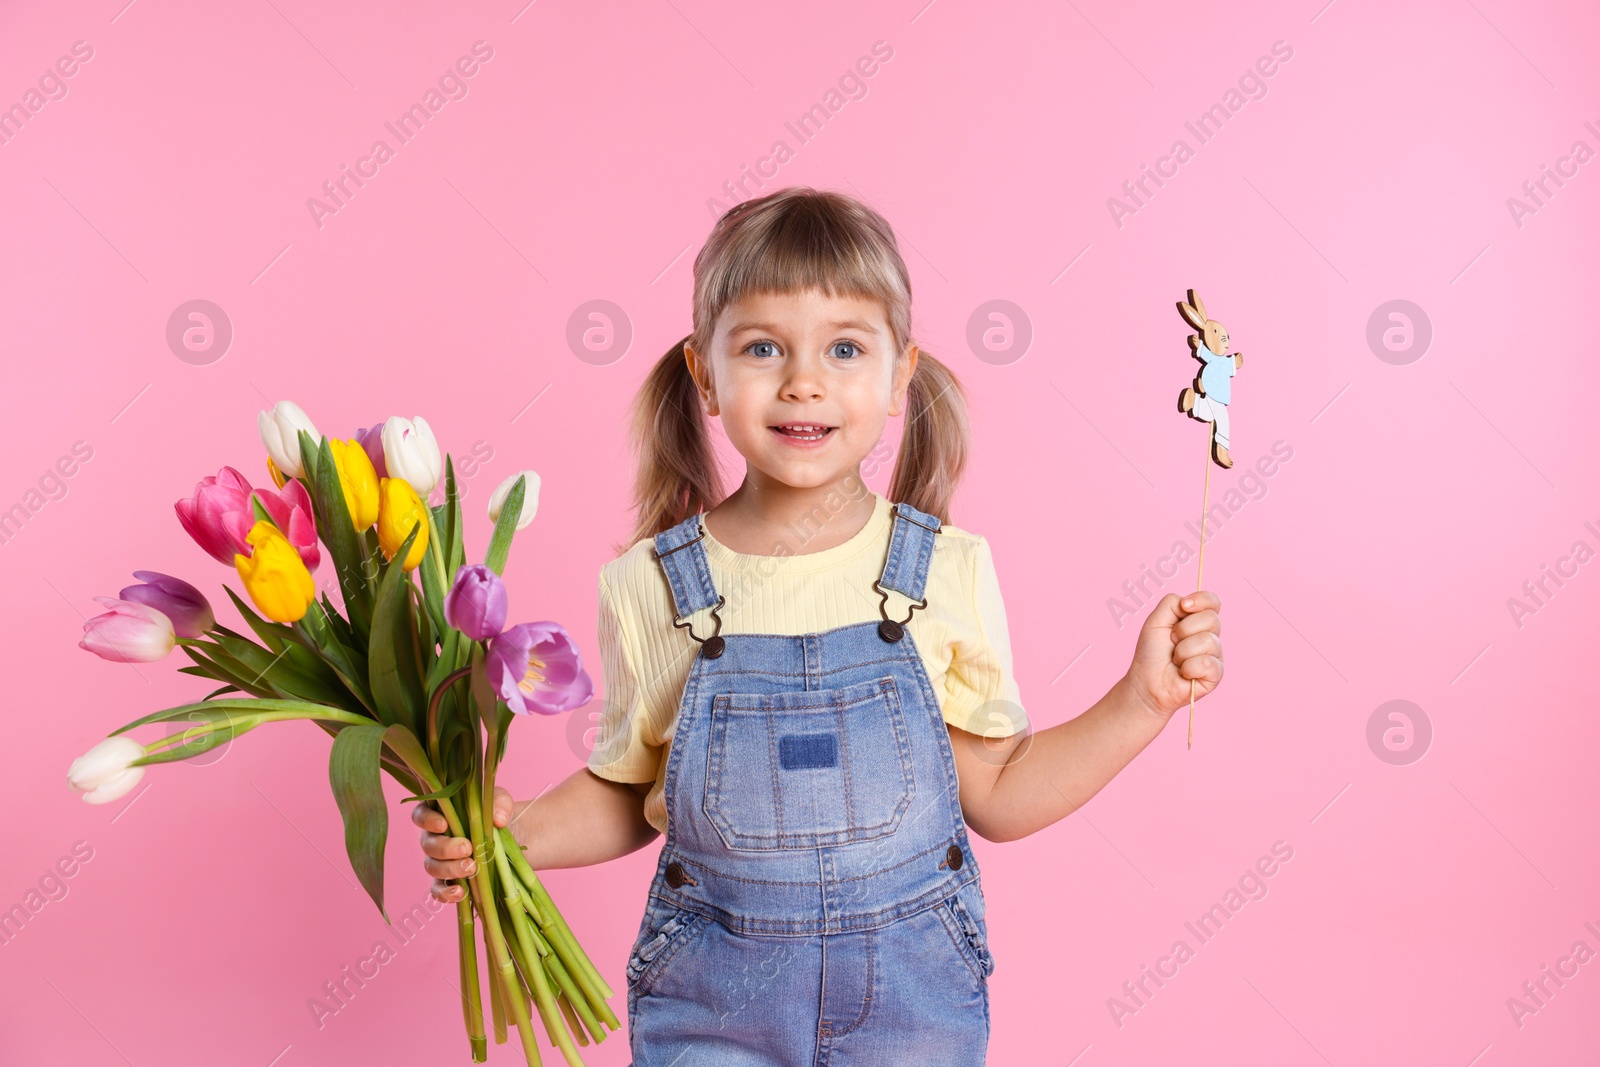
<point x="579" y="167"/>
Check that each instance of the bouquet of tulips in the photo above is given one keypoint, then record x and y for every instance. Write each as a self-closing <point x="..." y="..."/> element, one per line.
<point x="418" y="680"/>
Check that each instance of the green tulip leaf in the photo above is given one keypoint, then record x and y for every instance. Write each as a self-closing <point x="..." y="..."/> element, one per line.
<point x="337" y="531"/>
<point x="455" y="556"/>
<point x="272" y="634"/>
<point x="244" y="707"/>
<point x="353" y="772"/>
<point x="217" y="664"/>
<point x="278" y="671"/>
<point x="441" y="794"/>
<point x="394" y="663"/>
<point x="510" y="511"/>
<point x="404" y="744"/>
<point x="309" y="455"/>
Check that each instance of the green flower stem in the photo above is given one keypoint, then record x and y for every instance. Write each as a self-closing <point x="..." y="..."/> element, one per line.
<point x="433" y="712"/>
<point x="245" y="723"/>
<point x="562" y="932"/>
<point x="497" y="1003"/>
<point x="500" y="955"/>
<point x="572" y="1018"/>
<point x="576" y="984"/>
<point x="471" y="999"/>
<point x="570" y="986"/>
<point x="436" y="552"/>
<point x="532" y="966"/>
<point x="464" y="914"/>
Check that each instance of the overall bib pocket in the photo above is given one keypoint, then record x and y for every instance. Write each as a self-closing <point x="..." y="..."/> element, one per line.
<point x="806" y="769"/>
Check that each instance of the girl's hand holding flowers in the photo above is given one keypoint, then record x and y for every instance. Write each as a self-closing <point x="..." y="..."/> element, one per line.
<point x="450" y="858"/>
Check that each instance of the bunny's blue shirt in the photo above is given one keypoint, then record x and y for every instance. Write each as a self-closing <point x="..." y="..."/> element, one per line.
<point x="1217" y="377"/>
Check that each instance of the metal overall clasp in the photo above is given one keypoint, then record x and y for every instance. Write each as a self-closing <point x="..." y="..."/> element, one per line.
<point x="713" y="646"/>
<point x="889" y="629"/>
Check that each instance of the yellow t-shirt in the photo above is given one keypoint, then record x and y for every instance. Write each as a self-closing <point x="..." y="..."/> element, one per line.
<point x="961" y="634"/>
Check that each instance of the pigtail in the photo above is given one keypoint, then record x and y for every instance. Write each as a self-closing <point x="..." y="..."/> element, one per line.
<point x="676" y="473"/>
<point x="934" y="443"/>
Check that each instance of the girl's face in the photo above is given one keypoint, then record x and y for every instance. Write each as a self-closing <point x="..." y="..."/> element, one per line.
<point x="804" y="383"/>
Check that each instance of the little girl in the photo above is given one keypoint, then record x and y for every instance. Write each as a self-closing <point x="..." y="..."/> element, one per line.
<point x="808" y="685"/>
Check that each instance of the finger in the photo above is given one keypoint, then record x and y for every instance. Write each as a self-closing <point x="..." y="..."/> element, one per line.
<point x="1201" y="601"/>
<point x="446" y="892"/>
<point x="1200" y="622"/>
<point x="445" y="848"/>
<point x="1200" y="644"/>
<point x="1206" y="669"/>
<point x="450" y="868"/>
<point x="429" y="818"/>
<point x="502" y="806"/>
<point x="1165" y="614"/>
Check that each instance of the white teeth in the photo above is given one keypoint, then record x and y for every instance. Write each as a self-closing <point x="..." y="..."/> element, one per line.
<point x="804" y="433"/>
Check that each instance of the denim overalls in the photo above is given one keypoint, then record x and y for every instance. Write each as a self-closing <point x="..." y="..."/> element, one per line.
<point x="816" y="901"/>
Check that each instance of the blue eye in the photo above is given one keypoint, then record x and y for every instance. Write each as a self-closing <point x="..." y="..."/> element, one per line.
<point x="756" y="344"/>
<point x="851" y="344"/>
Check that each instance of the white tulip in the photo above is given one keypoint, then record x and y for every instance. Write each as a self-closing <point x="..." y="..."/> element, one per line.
<point x="280" y="432"/>
<point x="410" y="452"/>
<point x="530" y="497"/>
<point x="102" y="774"/>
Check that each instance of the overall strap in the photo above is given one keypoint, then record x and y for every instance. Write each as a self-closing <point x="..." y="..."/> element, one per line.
<point x="905" y="570"/>
<point x="682" y="556"/>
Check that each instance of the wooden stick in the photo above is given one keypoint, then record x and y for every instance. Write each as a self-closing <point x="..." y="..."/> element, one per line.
<point x="1200" y="569"/>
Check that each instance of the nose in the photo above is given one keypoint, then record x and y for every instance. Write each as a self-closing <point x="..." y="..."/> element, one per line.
<point x="803" y="381"/>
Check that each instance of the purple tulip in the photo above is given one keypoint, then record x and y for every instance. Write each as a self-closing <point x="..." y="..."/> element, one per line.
<point x="175" y="598"/>
<point x="371" y="438"/>
<point x="535" y="666"/>
<point x="476" y="603"/>
<point x="129" y="633"/>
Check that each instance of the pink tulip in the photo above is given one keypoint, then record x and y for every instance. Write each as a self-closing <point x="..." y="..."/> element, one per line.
<point x="290" y="508"/>
<point x="175" y="598"/>
<point x="219" y="516"/>
<point x="129" y="633"/>
<point x="205" y="515"/>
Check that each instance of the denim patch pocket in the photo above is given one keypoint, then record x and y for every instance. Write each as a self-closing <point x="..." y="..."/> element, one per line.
<point x="806" y="769"/>
<point x="657" y="944"/>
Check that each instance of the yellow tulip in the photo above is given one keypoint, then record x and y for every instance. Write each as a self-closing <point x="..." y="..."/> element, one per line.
<point x="358" y="480"/>
<point x="277" y="475"/>
<point x="399" y="509"/>
<point x="274" y="574"/>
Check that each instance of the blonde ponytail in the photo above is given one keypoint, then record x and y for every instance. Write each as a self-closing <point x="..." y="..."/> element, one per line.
<point x="933" y="445"/>
<point x="676" y="474"/>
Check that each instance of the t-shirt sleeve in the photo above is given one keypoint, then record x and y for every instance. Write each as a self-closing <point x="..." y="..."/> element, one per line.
<point x="981" y="694"/>
<point x="622" y="750"/>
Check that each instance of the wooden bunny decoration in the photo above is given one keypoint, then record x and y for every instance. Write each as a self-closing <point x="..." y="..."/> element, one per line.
<point x="1207" y="400"/>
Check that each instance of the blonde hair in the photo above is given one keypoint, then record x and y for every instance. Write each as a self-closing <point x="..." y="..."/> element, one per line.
<point x="794" y="239"/>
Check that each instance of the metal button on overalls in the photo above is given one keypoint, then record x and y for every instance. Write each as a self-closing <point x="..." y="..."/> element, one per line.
<point x="811" y="788"/>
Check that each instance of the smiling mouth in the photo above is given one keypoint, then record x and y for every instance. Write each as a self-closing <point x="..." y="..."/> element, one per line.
<point x="803" y="431"/>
